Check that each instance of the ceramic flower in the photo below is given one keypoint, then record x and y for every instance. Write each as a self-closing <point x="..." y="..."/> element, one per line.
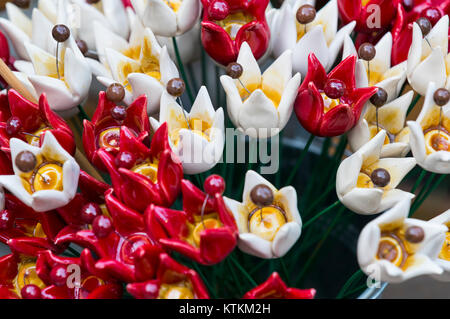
<point x="141" y="65"/>
<point x="154" y="174"/>
<point x="394" y="248"/>
<point x="103" y="131"/>
<point x="266" y="110"/>
<point x="443" y="259"/>
<point x="275" y="288"/>
<point x="382" y="74"/>
<point x="173" y="281"/>
<point x="427" y="57"/>
<point x="199" y="142"/>
<point x="321" y="37"/>
<point x="392" y="119"/>
<point x="429" y="145"/>
<point x="266" y="230"/>
<point x="227" y="24"/>
<point x="367" y="184"/>
<point x="322" y="115"/>
<point x="363" y="12"/>
<point x="168" y="18"/>
<point x="34" y="120"/>
<point x="53" y="181"/>
<point x="5" y="55"/>
<point x="206" y="235"/>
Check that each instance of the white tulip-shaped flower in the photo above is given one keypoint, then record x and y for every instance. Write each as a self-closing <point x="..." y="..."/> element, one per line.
<point x="53" y="181"/>
<point x="140" y="64"/>
<point x="381" y="73"/>
<point x="391" y="118"/>
<point x="272" y="225"/>
<point x="430" y="135"/>
<point x="321" y="38"/>
<point x="443" y="259"/>
<point x="262" y="107"/>
<point x="168" y="18"/>
<point x="199" y="144"/>
<point x="427" y="57"/>
<point x="394" y="248"/>
<point x="366" y="183"/>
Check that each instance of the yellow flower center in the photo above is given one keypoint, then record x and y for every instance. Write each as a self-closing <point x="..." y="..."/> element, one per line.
<point x="445" y="251"/>
<point x="148" y="169"/>
<point x="26" y="275"/>
<point x="179" y="290"/>
<point x="392" y="249"/>
<point x="265" y="222"/>
<point x="268" y="91"/>
<point x="35" y="140"/>
<point x="109" y="138"/>
<point x="374" y="131"/>
<point x="328" y="103"/>
<point x="196" y="125"/>
<point x="436" y="140"/>
<point x="364" y="2"/>
<point x="210" y="221"/>
<point x="364" y="181"/>
<point x="46" y="176"/>
<point x="234" y="21"/>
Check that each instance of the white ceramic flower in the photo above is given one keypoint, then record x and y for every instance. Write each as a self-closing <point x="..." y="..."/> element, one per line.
<point x="381" y="74"/>
<point x="272" y="231"/>
<point x="140" y="64"/>
<point x="443" y="259"/>
<point x="394" y="248"/>
<point x="266" y="110"/>
<point x="321" y="38"/>
<point x="363" y="192"/>
<point x="391" y="117"/>
<point x="427" y="57"/>
<point x="199" y="145"/>
<point x="51" y="184"/>
<point x="168" y="18"/>
<point x="429" y="145"/>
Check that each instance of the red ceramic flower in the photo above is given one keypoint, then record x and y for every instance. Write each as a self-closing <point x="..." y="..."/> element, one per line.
<point x="322" y="115"/>
<point x="173" y="281"/>
<point x="5" y="55"/>
<point x="27" y="121"/>
<point x="90" y="285"/>
<point x="140" y="175"/>
<point x="206" y="238"/>
<point x="228" y="23"/>
<point x="363" y="12"/>
<point x="104" y="131"/>
<point x="275" y="288"/>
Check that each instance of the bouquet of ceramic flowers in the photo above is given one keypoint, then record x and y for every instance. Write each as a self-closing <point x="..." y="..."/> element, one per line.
<point x="133" y="198"/>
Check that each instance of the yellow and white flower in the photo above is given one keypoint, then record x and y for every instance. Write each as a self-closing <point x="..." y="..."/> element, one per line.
<point x="321" y="38"/>
<point x="52" y="183"/>
<point x="199" y="144"/>
<point x="270" y="231"/>
<point x="392" y="118"/>
<point x="443" y="259"/>
<point x="394" y="248"/>
<point x="429" y="145"/>
<point x="266" y="110"/>
<point x="355" y="187"/>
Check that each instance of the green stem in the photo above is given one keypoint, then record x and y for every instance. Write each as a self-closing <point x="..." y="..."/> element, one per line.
<point x="439" y="181"/>
<point x="243" y="271"/>
<point x="285" y="271"/>
<point x="82" y="114"/>
<point x="414" y="102"/>
<point x="326" y="210"/>
<point x="210" y="288"/>
<point x="73" y="251"/>
<point x="418" y="181"/>
<point x="204" y="71"/>
<point x="331" y="187"/>
<point x="300" y="159"/>
<point x="349" y="282"/>
<point x="182" y="71"/>
<point x="422" y="192"/>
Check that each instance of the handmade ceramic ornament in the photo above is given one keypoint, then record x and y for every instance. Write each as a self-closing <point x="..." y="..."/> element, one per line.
<point x="260" y="105"/>
<point x="430" y="135"/>
<point x="443" y="259"/>
<point x="268" y="219"/>
<point x="394" y="248"/>
<point x="367" y="184"/>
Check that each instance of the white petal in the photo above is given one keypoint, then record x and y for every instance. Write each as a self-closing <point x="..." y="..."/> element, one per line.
<point x="115" y="13"/>
<point x="77" y="74"/>
<point x="187" y="15"/>
<point x="312" y="42"/>
<point x="287" y="100"/>
<point x="202" y="107"/>
<point x="252" y="74"/>
<point x="359" y="135"/>
<point x="234" y="101"/>
<point x="17" y="36"/>
<point x="284" y="31"/>
<point x="432" y="69"/>
<point x="144" y="84"/>
<point x="256" y="246"/>
<point x="285" y="238"/>
<point x="398" y="168"/>
<point x="160" y="18"/>
<point x="364" y="201"/>
<point x="167" y="67"/>
<point x="104" y="38"/>
<point x="336" y="45"/>
<point x="347" y="174"/>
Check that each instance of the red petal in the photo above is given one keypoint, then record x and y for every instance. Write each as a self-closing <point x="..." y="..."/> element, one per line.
<point x="257" y="35"/>
<point x="309" y="108"/>
<point x="337" y="121"/>
<point x="316" y="73"/>
<point x="217" y="43"/>
<point x="345" y="71"/>
<point x="26" y="111"/>
<point x="216" y="244"/>
<point x="144" y="290"/>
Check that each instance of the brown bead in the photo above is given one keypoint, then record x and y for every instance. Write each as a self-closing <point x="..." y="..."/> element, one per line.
<point x="424" y="25"/>
<point x="82" y="46"/>
<point x="93" y="1"/>
<point x="367" y="51"/>
<point x="115" y="92"/>
<point x="306" y="14"/>
<point x="176" y="87"/>
<point x="234" y="70"/>
<point x="414" y="234"/>
<point x="387" y="251"/>
<point x="25" y="161"/>
<point x="119" y="113"/>
<point x="24" y="4"/>
<point x="60" y="32"/>
<point x="261" y="195"/>
<point x="441" y="97"/>
<point x="380" y="177"/>
<point x="379" y="98"/>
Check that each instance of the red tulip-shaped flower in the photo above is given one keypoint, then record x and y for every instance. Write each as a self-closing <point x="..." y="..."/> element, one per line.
<point x="204" y="231"/>
<point x="275" y="288"/>
<point x="173" y="281"/>
<point x="141" y="176"/>
<point x="27" y="121"/>
<point x="228" y="23"/>
<point x="103" y="131"/>
<point x="5" y="55"/>
<point x="330" y="105"/>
